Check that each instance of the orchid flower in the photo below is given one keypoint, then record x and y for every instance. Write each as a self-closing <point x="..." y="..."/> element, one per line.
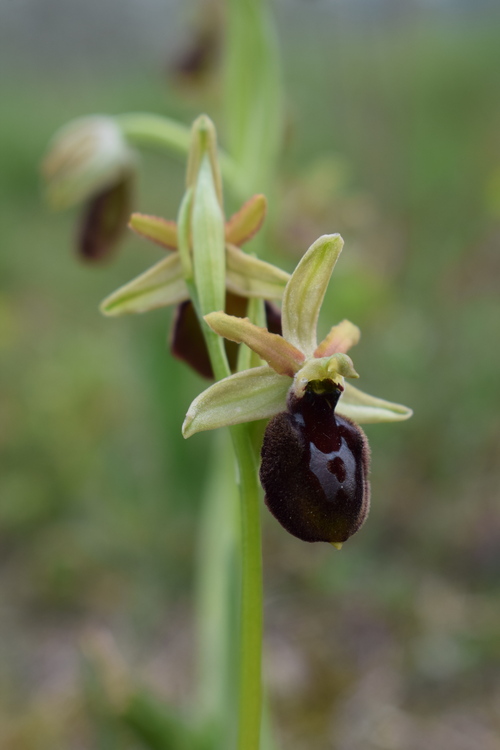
<point x="89" y="161"/>
<point x="208" y="249"/>
<point x="163" y="284"/>
<point x="315" y="459"/>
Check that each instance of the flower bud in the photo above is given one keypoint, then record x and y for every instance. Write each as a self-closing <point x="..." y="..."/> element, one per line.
<point x="314" y="468"/>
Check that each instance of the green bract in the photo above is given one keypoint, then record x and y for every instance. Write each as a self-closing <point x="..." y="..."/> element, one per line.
<point x="294" y="359"/>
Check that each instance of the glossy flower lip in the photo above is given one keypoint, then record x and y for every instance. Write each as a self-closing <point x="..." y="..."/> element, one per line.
<point x="293" y="360"/>
<point x="163" y="284"/>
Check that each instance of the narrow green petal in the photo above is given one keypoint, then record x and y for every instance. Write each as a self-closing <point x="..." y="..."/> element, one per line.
<point x="159" y="286"/>
<point x="305" y="291"/>
<point x="340" y="339"/>
<point x="252" y="277"/>
<point x="253" y="394"/>
<point x="284" y="358"/>
<point x="367" y="409"/>
<point x="156" y="229"/>
<point x="242" y="225"/>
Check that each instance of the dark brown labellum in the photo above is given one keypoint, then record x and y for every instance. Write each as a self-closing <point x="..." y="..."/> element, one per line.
<point x="104" y="221"/>
<point x="314" y="468"/>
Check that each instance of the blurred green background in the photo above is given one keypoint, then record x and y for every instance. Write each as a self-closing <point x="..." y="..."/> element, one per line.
<point x="392" y="139"/>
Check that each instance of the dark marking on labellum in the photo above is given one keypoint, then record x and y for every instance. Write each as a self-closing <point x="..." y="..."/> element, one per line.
<point x="314" y="468"/>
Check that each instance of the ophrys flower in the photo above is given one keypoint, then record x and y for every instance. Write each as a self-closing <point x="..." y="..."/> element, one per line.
<point x="315" y="459"/>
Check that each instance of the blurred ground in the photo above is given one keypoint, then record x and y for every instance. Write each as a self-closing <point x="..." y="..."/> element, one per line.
<point x="393" y="140"/>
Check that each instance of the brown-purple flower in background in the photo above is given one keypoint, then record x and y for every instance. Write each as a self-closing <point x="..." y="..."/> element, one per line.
<point x="90" y="162"/>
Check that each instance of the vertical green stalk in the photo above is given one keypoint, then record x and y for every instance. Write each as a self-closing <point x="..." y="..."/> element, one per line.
<point x="250" y="693"/>
<point x="250" y="644"/>
<point x="205" y="280"/>
<point x="217" y="604"/>
<point x="254" y="128"/>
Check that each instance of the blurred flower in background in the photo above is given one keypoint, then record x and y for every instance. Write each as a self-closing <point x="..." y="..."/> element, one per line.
<point x="90" y="162"/>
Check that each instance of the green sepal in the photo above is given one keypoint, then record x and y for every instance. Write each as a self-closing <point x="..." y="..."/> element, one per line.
<point x="159" y="286"/>
<point x="251" y="277"/>
<point x="366" y="409"/>
<point x="305" y="291"/>
<point x="247" y="396"/>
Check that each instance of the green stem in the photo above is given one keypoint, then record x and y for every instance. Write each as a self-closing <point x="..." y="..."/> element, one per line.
<point x="205" y="230"/>
<point x="218" y="583"/>
<point x="168" y="135"/>
<point x="250" y="666"/>
<point x="250" y="692"/>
